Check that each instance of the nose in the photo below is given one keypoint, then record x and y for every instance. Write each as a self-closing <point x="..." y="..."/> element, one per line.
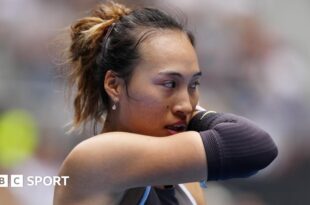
<point x="183" y="106"/>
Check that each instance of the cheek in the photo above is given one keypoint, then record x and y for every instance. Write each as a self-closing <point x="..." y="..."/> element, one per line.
<point x="145" y="114"/>
<point x="194" y="97"/>
<point x="148" y="103"/>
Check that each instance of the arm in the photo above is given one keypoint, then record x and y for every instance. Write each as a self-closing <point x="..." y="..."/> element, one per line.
<point x="231" y="145"/>
<point x="114" y="162"/>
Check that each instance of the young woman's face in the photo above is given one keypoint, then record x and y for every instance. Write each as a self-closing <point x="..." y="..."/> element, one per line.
<point x="163" y="90"/>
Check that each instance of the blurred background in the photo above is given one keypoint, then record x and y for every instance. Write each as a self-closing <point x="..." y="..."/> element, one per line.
<point x="255" y="56"/>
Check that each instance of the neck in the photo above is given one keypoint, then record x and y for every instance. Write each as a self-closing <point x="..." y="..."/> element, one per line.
<point x="110" y="123"/>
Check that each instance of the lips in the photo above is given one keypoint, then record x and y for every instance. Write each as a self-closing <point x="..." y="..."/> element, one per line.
<point x="176" y="127"/>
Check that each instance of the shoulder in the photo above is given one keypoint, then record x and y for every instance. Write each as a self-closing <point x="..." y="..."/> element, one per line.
<point x="82" y="164"/>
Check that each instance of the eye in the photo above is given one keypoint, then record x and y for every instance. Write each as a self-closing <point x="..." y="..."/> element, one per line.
<point x="170" y="84"/>
<point x="194" y="85"/>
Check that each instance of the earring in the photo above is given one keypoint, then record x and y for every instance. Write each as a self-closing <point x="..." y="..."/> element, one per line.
<point x="114" y="107"/>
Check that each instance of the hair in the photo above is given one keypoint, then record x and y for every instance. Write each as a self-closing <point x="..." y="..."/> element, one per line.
<point x="108" y="39"/>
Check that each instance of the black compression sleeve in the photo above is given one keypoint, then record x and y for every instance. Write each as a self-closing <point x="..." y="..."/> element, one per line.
<point x="235" y="147"/>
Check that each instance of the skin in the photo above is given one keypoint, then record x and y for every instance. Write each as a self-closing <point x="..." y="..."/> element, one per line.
<point x="163" y="90"/>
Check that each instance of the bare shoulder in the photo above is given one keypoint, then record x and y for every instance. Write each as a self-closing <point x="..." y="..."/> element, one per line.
<point x="197" y="192"/>
<point x="84" y="185"/>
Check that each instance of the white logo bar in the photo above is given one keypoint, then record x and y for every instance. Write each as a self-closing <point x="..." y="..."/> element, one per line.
<point x="19" y="180"/>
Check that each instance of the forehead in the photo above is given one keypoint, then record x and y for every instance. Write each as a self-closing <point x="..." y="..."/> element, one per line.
<point x="167" y="49"/>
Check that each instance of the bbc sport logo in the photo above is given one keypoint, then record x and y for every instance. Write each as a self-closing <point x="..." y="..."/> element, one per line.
<point x="21" y="181"/>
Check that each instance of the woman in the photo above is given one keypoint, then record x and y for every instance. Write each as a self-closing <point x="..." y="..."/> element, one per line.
<point x="140" y="68"/>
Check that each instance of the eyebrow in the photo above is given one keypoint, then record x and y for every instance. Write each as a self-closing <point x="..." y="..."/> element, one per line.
<point x="172" y="73"/>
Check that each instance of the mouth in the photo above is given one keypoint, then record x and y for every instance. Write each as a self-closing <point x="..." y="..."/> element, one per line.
<point x="176" y="128"/>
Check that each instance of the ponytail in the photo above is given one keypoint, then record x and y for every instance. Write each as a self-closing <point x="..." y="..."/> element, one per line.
<point x="86" y="39"/>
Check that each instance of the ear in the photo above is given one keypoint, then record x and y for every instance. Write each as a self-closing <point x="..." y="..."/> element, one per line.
<point x="113" y="85"/>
